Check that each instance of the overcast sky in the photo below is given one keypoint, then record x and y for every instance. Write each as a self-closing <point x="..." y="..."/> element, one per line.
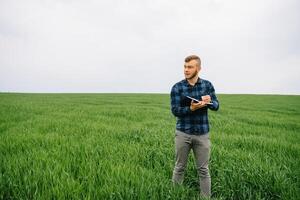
<point x="246" y="46"/>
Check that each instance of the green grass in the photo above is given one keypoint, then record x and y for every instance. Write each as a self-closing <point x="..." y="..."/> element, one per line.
<point x="121" y="146"/>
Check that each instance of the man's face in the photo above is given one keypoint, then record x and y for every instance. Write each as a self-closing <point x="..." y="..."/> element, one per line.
<point x="191" y="69"/>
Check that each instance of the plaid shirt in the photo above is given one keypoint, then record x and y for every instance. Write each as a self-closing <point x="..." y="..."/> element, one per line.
<point x="192" y="122"/>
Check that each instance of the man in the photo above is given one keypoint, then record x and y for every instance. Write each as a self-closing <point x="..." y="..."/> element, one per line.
<point x="192" y="127"/>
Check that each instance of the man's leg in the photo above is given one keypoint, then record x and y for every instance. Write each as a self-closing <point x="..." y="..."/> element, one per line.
<point x="201" y="149"/>
<point x="182" y="149"/>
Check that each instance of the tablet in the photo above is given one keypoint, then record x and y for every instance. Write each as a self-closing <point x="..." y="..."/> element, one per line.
<point x="197" y="100"/>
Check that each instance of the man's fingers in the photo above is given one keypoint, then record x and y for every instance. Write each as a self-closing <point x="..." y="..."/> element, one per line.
<point x="200" y="104"/>
<point x="194" y="106"/>
<point x="206" y="98"/>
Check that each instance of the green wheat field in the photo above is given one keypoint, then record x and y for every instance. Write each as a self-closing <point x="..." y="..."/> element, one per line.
<point x="121" y="146"/>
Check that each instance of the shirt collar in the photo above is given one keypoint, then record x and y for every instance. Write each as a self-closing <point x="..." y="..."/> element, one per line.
<point x="199" y="80"/>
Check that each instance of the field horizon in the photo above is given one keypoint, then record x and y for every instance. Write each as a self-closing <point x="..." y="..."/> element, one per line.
<point x="121" y="146"/>
<point x="162" y="93"/>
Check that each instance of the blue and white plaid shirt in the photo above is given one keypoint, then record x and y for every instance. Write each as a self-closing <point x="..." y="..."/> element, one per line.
<point x="192" y="122"/>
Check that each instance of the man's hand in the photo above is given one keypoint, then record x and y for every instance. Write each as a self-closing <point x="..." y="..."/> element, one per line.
<point x="194" y="106"/>
<point x="206" y="99"/>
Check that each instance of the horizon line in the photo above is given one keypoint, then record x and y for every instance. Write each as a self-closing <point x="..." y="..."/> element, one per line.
<point x="6" y="92"/>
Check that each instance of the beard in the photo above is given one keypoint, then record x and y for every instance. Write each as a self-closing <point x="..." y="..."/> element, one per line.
<point x="192" y="75"/>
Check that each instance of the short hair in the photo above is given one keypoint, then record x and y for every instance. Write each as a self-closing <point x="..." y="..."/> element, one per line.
<point x="193" y="57"/>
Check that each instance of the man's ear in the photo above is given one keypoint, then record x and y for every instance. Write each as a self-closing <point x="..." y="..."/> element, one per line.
<point x="199" y="68"/>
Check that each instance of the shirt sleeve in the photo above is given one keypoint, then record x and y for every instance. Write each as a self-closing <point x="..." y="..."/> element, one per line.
<point x="176" y="109"/>
<point x="214" y="99"/>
